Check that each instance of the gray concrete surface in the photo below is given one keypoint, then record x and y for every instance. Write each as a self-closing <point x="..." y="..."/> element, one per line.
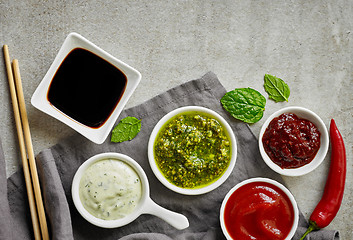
<point x="309" y="44"/>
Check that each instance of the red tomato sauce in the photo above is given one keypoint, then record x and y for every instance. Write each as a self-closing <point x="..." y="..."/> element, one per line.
<point x="258" y="211"/>
<point x="290" y="141"/>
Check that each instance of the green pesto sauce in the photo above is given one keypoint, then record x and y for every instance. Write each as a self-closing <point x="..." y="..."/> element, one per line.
<point x="192" y="150"/>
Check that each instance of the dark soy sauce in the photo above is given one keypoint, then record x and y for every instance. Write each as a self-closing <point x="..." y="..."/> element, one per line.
<point x="86" y="87"/>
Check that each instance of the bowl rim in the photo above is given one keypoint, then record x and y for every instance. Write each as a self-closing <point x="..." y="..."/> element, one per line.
<point x="209" y="187"/>
<point x="39" y="98"/>
<point x="118" y="222"/>
<point x="267" y="180"/>
<point x="324" y="141"/>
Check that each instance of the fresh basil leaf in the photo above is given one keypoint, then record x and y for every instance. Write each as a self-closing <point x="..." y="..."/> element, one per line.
<point x="276" y="88"/>
<point x="245" y="104"/>
<point x="126" y="129"/>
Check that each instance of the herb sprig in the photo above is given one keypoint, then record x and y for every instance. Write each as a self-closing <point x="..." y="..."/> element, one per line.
<point x="248" y="105"/>
<point x="276" y="88"/>
<point x="245" y="104"/>
<point x="127" y="129"/>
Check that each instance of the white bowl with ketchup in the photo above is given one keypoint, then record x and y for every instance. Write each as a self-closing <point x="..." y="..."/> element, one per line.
<point x="259" y="207"/>
<point x="293" y="141"/>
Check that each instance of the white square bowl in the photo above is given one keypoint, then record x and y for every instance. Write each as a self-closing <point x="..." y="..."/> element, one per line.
<point x="40" y="96"/>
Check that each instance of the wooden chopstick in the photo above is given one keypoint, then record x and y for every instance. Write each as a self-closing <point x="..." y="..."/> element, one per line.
<point x="30" y="152"/>
<point x="28" y="181"/>
<point x="31" y="176"/>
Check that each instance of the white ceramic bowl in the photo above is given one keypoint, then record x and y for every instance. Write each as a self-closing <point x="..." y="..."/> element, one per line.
<point x="145" y="206"/>
<point x="207" y="188"/>
<point x="324" y="142"/>
<point x="40" y="101"/>
<point x="267" y="180"/>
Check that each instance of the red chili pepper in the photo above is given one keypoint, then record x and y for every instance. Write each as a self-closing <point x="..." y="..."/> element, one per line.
<point x="331" y="199"/>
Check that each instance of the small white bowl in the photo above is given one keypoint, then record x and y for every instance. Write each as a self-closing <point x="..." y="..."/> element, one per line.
<point x="41" y="102"/>
<point x="145" y="206"/>
<point x="213" y="185"/>
<point x="267" y="180"/>
<point x="324" y="142"/>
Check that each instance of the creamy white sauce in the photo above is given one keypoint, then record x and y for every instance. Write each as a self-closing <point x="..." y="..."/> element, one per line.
<point x="110" y="189"/>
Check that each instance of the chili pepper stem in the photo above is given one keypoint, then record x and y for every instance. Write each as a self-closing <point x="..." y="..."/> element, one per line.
<point x="312" y="227"/>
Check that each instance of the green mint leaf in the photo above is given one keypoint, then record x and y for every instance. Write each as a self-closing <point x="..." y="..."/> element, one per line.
<point x="126" y="129"/>
<point x="276" y="88"/>
<point x="245" y="104"/>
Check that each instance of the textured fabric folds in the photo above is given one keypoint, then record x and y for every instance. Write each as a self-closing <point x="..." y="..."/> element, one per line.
<point x="58" y="164"/>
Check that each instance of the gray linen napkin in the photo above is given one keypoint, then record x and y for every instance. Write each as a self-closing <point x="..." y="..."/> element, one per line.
<point x="58" y="164"/>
